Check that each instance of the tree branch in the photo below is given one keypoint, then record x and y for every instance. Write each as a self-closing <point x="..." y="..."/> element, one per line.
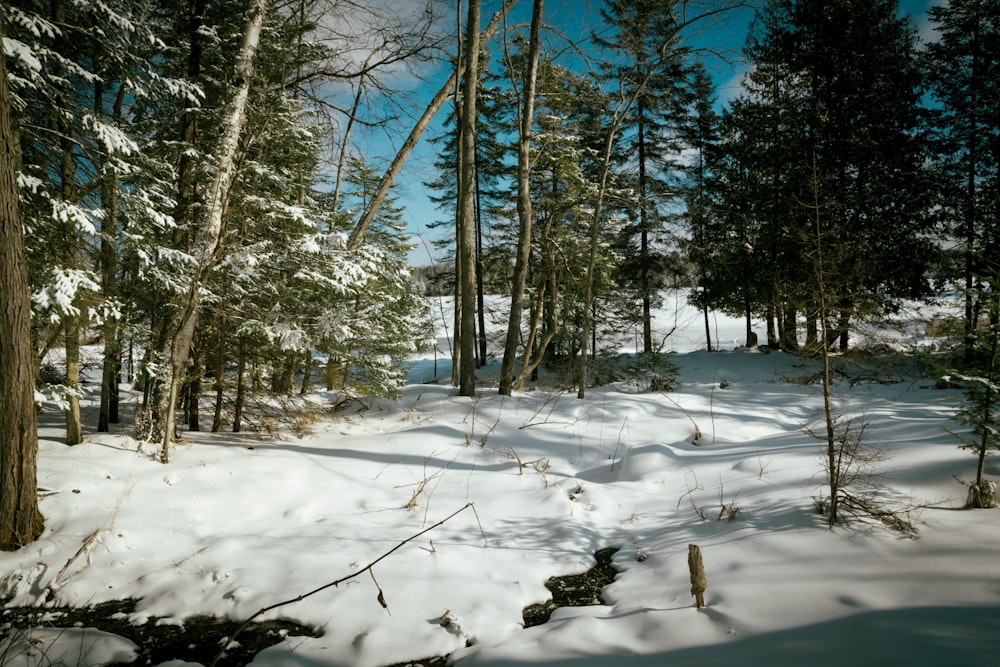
<point x="366" y="568"/>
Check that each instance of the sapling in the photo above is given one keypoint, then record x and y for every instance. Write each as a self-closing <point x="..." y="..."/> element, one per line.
<point x="980" y="411"/>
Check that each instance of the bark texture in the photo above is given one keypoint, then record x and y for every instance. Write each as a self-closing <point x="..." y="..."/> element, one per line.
<point x="20" y="520"/>
<point x="699" y="580"/>
<point x="466" y="260"/>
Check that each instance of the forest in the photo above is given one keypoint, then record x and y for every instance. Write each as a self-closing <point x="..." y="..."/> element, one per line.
<point x="714" y="306"/>
<point x="184" y="189"/>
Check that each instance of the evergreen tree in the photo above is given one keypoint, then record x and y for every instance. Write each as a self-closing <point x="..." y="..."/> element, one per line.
<point x="649" y="61"/>
<point x="962" y="68"/>
<point x="700" y="133"/>
<point x="79" y="68"/>
<point x="838" y="88"/>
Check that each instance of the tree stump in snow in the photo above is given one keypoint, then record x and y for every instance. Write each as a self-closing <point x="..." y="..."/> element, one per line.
<point x="982" y="497"/>
<point x="699" y="581"/>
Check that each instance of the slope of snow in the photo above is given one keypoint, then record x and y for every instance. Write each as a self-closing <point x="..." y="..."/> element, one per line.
<point x="234" y="524"/>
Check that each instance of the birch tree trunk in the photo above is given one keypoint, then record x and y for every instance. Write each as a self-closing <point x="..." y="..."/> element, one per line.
<point x="207" y="239"/>
<point x="20" y="520"/>
<point x="523" y="204"/>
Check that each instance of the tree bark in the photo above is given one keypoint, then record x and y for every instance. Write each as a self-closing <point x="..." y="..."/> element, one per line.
<point x="20" y="520"/>
<point x="644" y="278"/>
<point x="523" y="204"/>
<point x="110" y="374"/>
<point x="74" y="428"/>
<point x="699" y="580"/>
<point x="466" y="259"/>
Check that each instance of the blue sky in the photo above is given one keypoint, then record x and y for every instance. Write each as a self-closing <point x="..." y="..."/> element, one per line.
<point x="722" y="40"/>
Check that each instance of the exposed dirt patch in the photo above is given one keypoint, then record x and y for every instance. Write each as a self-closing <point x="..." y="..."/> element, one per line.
<point x="198" y="639"/>
<point x="574" y="590"/>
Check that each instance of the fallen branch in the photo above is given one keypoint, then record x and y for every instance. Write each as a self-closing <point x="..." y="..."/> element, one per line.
<point x="86" y="543"/>
<point x="366" y="568"/>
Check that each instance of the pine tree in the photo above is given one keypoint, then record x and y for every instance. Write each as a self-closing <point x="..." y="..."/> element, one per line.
<point x="962" y="68"/>
<point x="849" y="71"/>
<point x="700" y="133"/>
<point x="650" y="55"/>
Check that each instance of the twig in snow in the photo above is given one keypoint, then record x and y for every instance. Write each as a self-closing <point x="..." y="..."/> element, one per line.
<point x="367" y="568"/>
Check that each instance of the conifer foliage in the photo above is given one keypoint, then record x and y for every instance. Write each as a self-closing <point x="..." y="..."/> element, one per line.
<point x="193" y="240"/>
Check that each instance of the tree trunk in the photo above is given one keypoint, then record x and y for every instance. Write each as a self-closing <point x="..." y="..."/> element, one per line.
<point x="241" y="388"/>
<point x="208" y="237"/>
<point x="192" y="388"/>
<point x="307" y="364"/>
<point x="644" y="278"/>
<point x="20" y="520"/>
<point x="220" y="379"/>
<point x="74" y="428"/>
<point x="109" y="289"/>
<point x="789" y="331"/>
<point x="748" y="316"/>
<point x="773" y="337"/>
<point x="466" y="259"/>
<point x="699" y="580"/>
<point x="988" y="435"/>
<point x="971" y="187"/>
<point x="523" y="204"/>
<point x="480" y="293"/>
<point x="71" y="322"/>
<point x="708" y="328"/>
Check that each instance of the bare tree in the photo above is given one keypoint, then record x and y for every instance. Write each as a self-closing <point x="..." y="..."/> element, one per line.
<point x="442" y="95"/>
<point x="527" y="112"/>
<point x="20" y="520"/>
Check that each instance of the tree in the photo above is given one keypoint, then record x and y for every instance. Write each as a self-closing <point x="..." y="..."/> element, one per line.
<point x="981" y="410"/>
<point x="962" y="68"/>
<point x="700" y="133"/>
<point x="58" y="144"/>
<point x="848" y="72"/>
<point x="753" y="247"/>
<point x="465" y="232"/>
<point x="526" y="115"/>
<point x="207" y="235"/>
<point x="20" y="519"/>
<point x="653" y="60"/>
<point x="648" y="45"/>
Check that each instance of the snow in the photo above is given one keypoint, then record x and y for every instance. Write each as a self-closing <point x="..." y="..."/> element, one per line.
<point x="235" y="524"/>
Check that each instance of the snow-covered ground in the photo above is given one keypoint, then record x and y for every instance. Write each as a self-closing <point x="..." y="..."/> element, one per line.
<point x="234" y="524"/>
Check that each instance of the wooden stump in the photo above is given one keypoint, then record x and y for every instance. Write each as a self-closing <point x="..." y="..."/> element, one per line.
<point x="699" y="581"/>
<point x="984" y="497"/>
